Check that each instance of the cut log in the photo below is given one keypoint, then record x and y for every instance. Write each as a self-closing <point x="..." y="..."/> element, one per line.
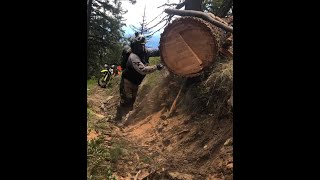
<point x="189" y="45"/>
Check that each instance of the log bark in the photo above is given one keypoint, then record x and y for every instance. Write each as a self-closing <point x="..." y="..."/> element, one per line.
<point x="201" y="15"/>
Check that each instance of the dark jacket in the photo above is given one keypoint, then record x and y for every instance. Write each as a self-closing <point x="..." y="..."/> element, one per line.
<point x="136" y="67"/>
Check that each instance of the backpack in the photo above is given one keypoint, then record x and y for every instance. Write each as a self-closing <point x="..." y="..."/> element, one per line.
<point x="124" y="56"/>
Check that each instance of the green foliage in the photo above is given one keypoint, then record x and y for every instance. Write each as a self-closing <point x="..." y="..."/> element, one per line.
<point x="89" y="113"/>
<point x="110" y="176"/>
<point x="105" y="35"/>
<point x="116" y="152"/>
<point x="146" y="159"/>
<point x="92" y="82"/>
<point x="100" y="158"/>
<point x="152" y="78"/>
<point x="154" y="60"/>
<point x="216" y="7"/>
<point x="98" y="166"/>
<point x="212" y="5"/>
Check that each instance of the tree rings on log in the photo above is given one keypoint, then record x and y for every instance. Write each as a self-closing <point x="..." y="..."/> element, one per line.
<point x="188" y="45"/>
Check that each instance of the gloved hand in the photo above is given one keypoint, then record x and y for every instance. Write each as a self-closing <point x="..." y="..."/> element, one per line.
<point x="159" y="66"/>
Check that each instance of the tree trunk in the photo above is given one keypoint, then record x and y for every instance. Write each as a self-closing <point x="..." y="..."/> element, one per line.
<point x="189" y="45"/>
<point x="193" y="5"/>
<point x="89" y="9"/>
<point x="143" y="20"/>
<point x="225" y="7"/>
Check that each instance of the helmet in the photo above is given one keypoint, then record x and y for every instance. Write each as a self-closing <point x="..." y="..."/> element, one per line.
<point x="140" y="39"/>
<point x="137" y="44"/>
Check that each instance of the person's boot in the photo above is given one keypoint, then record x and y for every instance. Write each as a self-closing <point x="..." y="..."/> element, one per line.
<point x="119" y="114"/>
<point x="122" y="112"/>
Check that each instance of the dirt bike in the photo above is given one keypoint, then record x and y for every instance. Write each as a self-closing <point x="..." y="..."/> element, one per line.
<point x="106" y="76"/>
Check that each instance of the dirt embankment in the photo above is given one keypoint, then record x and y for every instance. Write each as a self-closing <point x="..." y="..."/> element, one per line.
<point x="195" y="142"/>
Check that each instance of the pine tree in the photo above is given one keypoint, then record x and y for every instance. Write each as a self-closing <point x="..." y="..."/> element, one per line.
<point x="104" y="34"/>
<point x="143" y="29"/>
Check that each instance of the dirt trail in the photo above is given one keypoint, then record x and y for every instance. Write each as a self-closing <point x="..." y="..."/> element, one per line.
<point x="181" y="147"/>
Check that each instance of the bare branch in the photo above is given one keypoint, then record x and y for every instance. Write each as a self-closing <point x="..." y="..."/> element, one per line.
<point x="172" y="4"/>
<point x="161" y="27"/>
<point x="162" y="20"/>
<point x="155" y="18"/>
<point x="202" y="15"/>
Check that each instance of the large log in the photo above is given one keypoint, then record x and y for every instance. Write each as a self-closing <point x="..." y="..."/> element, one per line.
<point x="189" y="45"/>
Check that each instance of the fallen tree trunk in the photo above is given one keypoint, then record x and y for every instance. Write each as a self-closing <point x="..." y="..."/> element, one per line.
<point x="189" y="45"/>
<point x="201" y="15"/>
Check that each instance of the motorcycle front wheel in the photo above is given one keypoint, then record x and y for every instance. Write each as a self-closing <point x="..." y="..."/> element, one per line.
<point x="102" y="83"/>
<point x="104" y="80"/>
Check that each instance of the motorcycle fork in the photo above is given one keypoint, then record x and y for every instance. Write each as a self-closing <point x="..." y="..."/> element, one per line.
<point x="105" y="77"/>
